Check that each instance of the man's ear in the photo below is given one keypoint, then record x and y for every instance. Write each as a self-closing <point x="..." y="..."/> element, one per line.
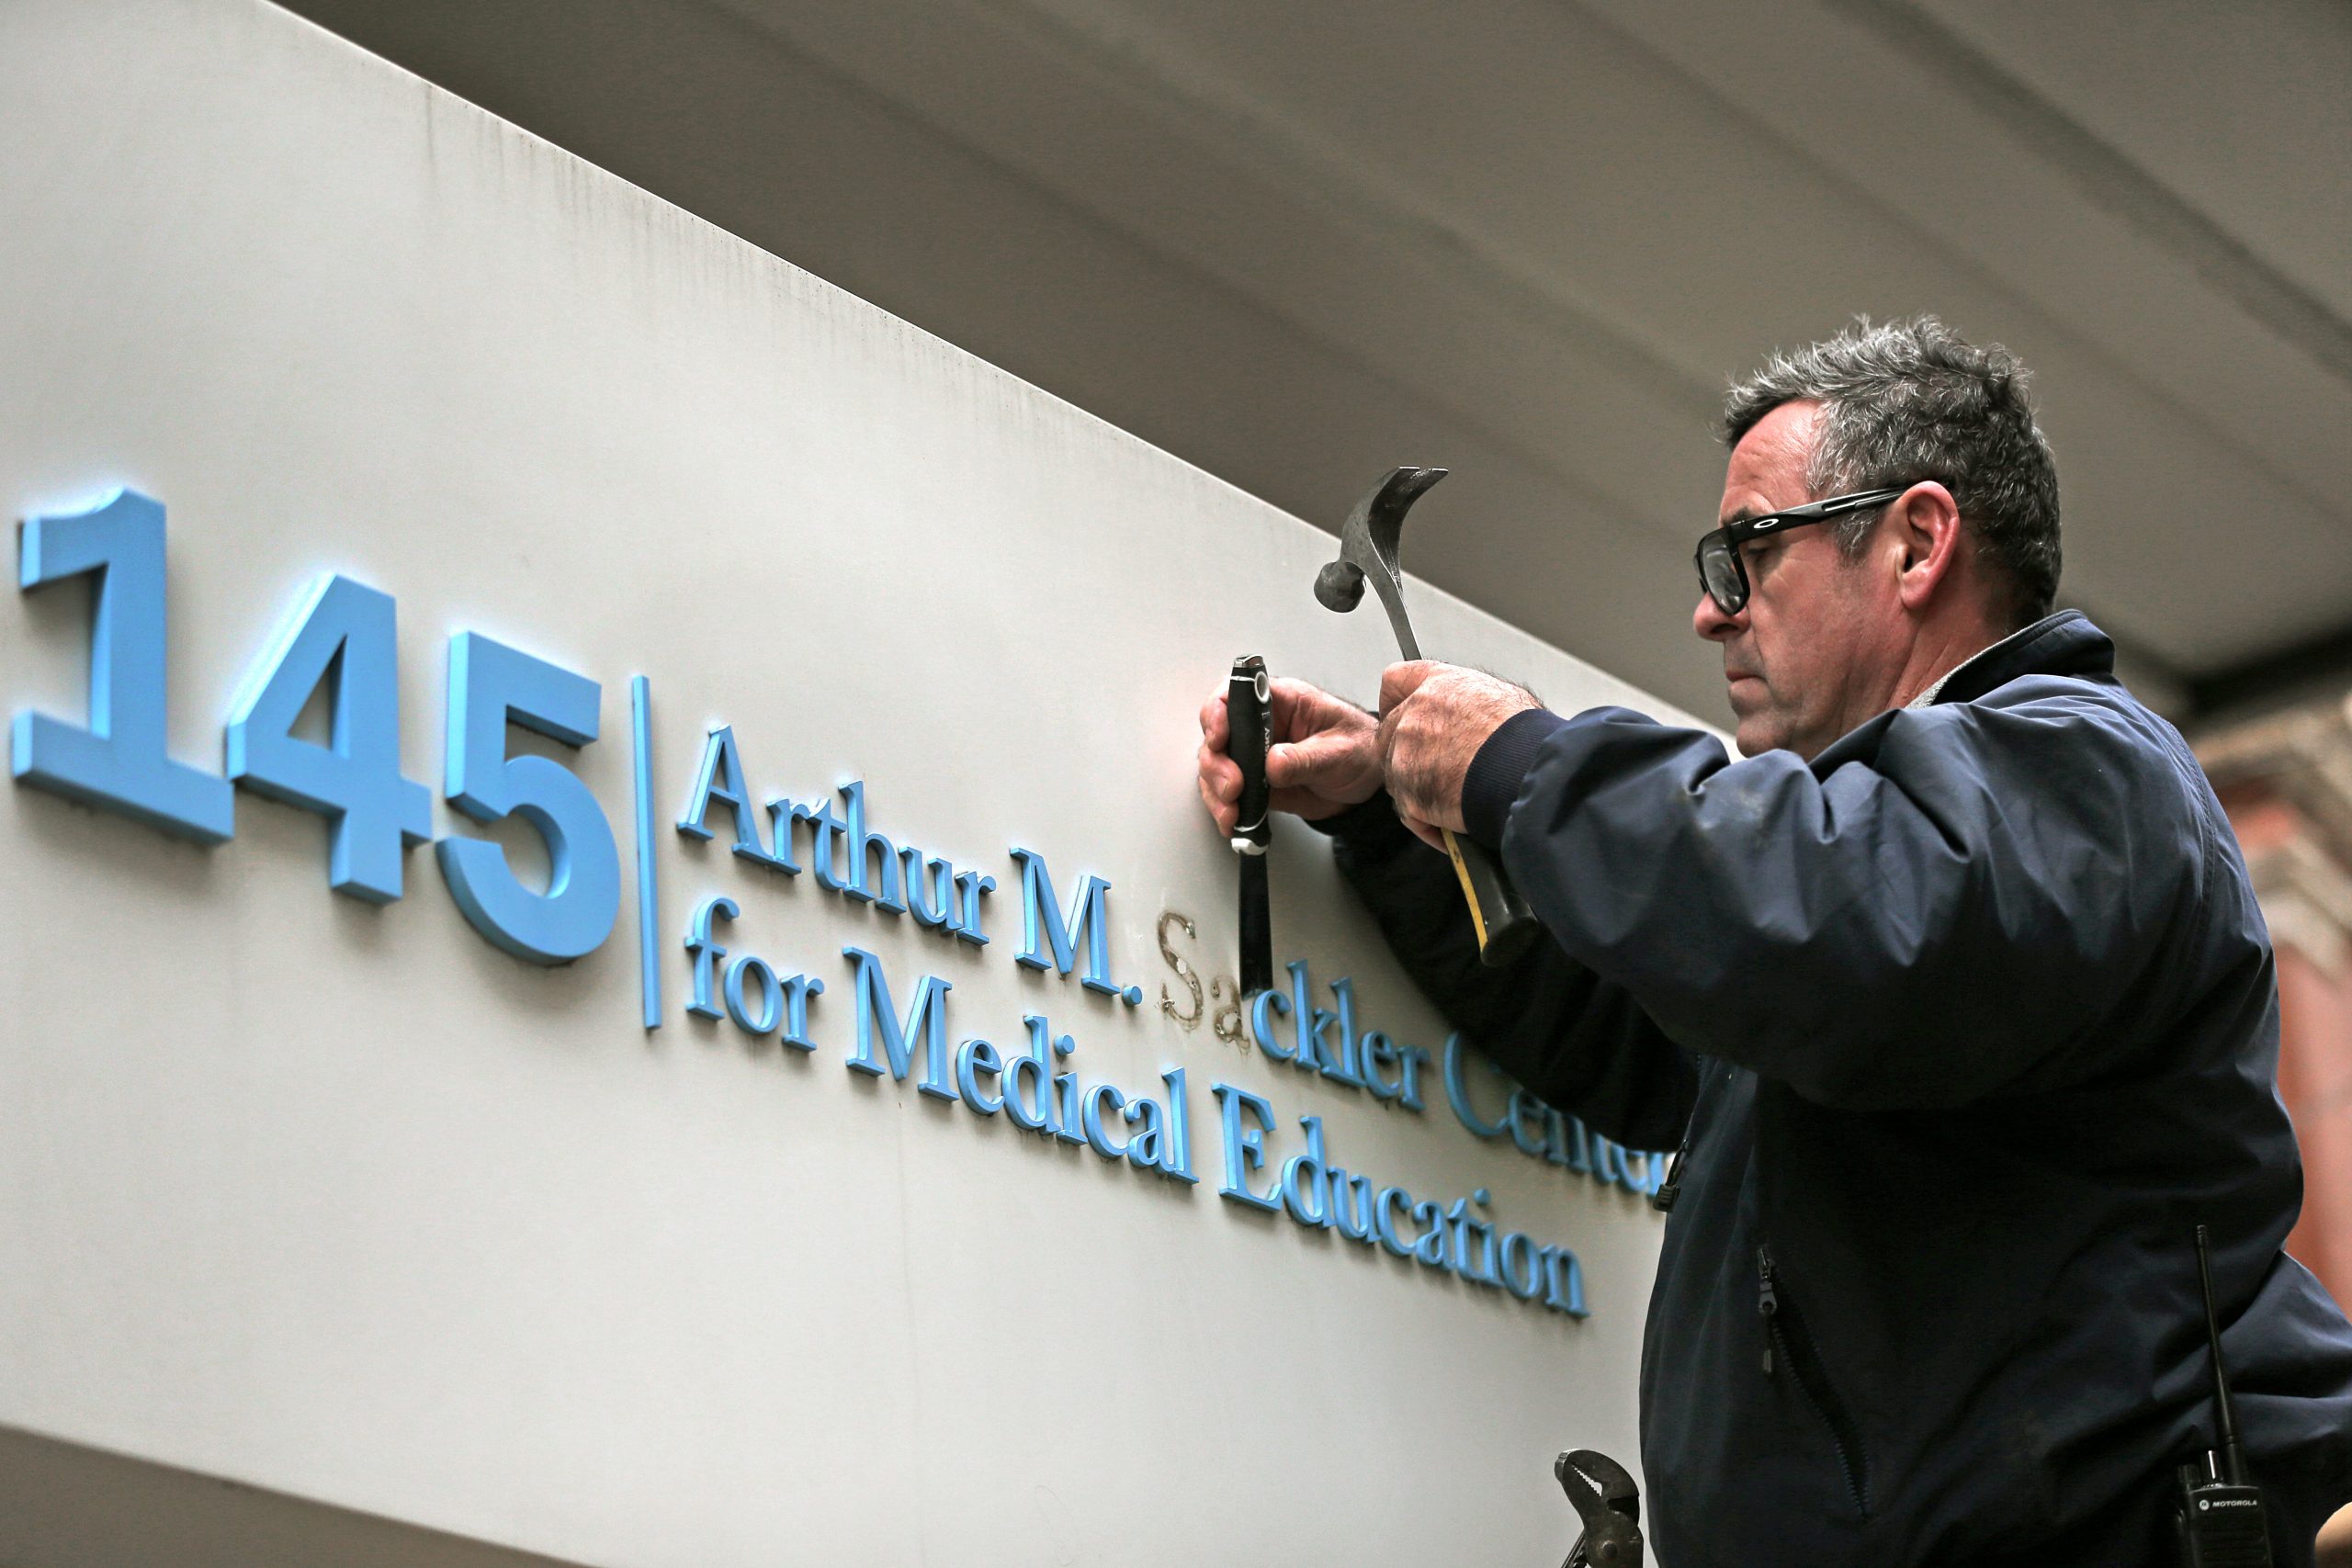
<point x="1925" y="522"/>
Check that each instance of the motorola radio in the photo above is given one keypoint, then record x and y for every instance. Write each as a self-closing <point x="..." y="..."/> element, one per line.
<point x="2221" y="1517"/>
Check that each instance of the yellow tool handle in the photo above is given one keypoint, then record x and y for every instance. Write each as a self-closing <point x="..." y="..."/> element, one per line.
<point x="1505" y="925"/>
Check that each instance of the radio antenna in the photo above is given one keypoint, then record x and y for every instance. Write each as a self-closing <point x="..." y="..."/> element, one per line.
<point x="2224" y="1414"/>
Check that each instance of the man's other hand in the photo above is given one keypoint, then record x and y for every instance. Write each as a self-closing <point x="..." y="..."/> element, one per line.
<point x="1324" y="758"/>
<point x="1434" y="718"/>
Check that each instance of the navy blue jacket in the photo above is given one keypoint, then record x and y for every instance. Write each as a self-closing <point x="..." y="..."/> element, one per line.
<point x="1969" y="1022"/>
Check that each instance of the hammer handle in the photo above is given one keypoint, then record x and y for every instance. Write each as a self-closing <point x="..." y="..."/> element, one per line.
<point x="1504" y="923"/>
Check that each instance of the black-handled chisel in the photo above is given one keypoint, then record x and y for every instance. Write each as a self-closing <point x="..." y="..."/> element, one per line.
<point x="1249" y="716"/>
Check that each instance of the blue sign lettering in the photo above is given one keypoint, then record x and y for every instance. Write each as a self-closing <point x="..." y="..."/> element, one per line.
<point x="340" y="646"/>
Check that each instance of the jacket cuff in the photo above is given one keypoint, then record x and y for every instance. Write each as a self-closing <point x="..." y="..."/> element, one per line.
<point x="1499" y="769"/>
<point x="1369" y="827"/>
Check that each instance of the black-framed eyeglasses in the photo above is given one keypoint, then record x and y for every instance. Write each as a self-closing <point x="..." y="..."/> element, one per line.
<point x="1725" y="576"/>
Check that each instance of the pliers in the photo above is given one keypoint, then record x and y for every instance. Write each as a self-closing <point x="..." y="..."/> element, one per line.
<point x="1611" y="1510"/>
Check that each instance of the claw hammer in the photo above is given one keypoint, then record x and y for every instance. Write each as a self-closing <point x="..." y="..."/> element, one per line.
<point x="1368" y="545"/>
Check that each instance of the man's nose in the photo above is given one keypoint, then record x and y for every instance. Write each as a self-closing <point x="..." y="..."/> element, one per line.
<point x="1710" y="622"/>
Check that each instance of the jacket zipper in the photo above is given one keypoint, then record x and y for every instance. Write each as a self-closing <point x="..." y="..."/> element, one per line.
<point x="1670" y="1190"/>
<point x="1785" y="1340"/>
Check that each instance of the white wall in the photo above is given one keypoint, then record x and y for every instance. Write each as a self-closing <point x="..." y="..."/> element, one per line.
<point x="343" y="1201"/>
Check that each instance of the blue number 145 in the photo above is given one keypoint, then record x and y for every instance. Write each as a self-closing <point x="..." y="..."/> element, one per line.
<point x="342" y="639"/>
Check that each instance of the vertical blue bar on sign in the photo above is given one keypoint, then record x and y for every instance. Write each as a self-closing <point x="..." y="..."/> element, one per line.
<point x="648" y="918"/>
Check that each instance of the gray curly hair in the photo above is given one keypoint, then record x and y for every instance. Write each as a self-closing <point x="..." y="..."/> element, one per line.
<point x="1910" y="401"/>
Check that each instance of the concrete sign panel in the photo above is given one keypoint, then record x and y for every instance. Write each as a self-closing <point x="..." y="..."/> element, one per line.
<point x="608" y="943"/>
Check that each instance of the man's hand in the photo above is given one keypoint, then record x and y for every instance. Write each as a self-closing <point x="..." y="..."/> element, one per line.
<point x="1324" y="758"/>
<point x="1434" y="718"/>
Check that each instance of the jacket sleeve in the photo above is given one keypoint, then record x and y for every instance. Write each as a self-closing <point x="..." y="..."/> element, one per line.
<point x="1966" y="906"/>
<point x="1574" y="1040"/>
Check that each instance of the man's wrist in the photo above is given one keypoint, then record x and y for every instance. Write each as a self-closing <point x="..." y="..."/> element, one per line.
<point x="1500" y="768"/>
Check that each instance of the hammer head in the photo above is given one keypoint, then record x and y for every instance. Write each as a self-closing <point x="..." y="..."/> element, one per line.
<point x="1368" y="549"/>
<point x="1338" y="586"/>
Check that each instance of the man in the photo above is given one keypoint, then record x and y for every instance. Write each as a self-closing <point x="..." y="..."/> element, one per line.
<point x="1953" y="994"/>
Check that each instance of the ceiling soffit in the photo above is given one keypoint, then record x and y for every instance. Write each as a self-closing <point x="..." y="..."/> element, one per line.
<point x="1565" y="222"/>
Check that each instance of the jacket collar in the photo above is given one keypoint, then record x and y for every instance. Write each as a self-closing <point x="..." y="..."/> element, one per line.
<point x="2062" y="644"/>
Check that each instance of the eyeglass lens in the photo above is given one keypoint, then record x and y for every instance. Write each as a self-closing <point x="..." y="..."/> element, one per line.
<point x="1719" y="574"/>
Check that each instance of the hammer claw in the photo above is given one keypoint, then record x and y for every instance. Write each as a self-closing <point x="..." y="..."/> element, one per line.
<point x="1369" y="547"/>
